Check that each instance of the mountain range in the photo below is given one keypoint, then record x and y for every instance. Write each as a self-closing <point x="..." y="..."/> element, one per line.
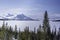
<point x="17" y="17"/>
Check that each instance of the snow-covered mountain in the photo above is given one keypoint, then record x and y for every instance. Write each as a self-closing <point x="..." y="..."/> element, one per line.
<point x="17" y="17"/>
<point x="22" y="17"/>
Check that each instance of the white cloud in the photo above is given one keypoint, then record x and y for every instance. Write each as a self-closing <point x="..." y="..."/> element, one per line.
<point x="31" y="12"/>
<point x="54" y="16"/>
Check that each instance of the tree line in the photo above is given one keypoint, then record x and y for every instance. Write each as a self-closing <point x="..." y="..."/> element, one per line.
<point x="43" y="32"/>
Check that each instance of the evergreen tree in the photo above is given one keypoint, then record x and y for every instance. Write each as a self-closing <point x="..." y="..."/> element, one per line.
<point x="48" y="34"/>
<point x="58" y="36"/>
<point x="6" y="35"/>
<point x="10" y="30"/>
<point x="6" y="32"/>
<point x="10" y="33"/>
<point x="32" y="37"/>
<point x="45" y="25"/>
<point x="19" y="35"/>
<point x="55" y="34"/>
<point x="27" y="33"/>
<point x="39" y="33"/>
<point x="3" y="30"/>
<point x="35" y="35"/>
<point x="3" y="25"/>
<point x="52" y="35"/>
<point x="16" y="32"/>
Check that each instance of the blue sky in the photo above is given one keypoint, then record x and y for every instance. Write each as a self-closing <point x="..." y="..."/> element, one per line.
<point x="30" y="8"/>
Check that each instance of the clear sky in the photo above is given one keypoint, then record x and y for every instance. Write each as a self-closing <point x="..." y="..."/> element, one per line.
<point x="30" y="8"/>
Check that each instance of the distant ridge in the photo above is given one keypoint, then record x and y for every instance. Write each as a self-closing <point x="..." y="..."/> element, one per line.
<point x="21" y="17"/>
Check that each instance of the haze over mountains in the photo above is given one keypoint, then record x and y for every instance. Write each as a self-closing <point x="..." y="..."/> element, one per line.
<point x="17" y="17"/>
<point x="23" y="17"/>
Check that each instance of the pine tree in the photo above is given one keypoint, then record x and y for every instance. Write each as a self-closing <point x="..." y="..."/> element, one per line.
<point x="55" y="34"/>
<point x="39" y="33"/>
<point x="27" y="33"/>
<point x="52" y="35"/>
<point x="3" y="25"/>
<point x="10" y="33"/>
<point x="3" y="30"/>
<point x="19" y="35"/>
<point x="45" y="25"/>
<point x="58" y="36"/>
<point x="34" y="30"/>
<point x="48" y="33"/>
<point x="10" y="30"/>
<point x="35" y="35"/>
<point x="16" y="32"/>
<point x="6" y="32"/>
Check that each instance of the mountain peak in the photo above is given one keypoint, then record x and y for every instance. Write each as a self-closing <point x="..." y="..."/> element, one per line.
<point x="19" y="17"/>
<point x="22" y="14"/>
